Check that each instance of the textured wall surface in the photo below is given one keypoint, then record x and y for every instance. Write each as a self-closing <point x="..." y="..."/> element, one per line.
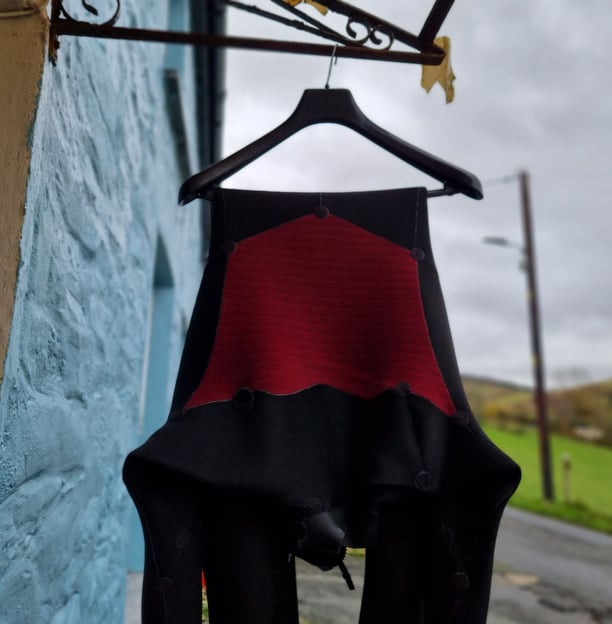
<point x="22" y="54"/>
<point x="101" y="199"/>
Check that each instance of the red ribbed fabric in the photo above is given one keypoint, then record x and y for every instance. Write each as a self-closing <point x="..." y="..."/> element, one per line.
<point x="321" y="301"/>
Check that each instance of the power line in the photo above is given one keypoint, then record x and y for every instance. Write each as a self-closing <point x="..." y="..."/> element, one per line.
<point x="503" y="180"/>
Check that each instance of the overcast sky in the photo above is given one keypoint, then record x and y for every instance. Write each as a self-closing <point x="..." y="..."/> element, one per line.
<point x="534" y="92"/>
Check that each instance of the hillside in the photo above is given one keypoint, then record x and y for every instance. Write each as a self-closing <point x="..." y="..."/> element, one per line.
<point x="581" y="412"/>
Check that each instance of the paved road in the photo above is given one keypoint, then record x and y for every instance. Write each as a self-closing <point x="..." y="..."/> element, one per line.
<point x="549" y="571"/>
<point x="546" y="572"/>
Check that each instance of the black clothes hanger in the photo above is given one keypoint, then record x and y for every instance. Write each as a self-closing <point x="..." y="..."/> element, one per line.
<point x="333" y="106"/>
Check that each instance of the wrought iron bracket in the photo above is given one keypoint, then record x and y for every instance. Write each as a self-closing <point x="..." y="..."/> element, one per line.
<point x="377" y="37"/>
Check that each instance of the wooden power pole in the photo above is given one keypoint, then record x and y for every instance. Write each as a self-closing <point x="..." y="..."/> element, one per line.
<point x="536" y="346"/>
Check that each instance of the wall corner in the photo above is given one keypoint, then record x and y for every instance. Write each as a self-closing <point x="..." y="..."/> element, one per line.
<point x="24" y="28"/>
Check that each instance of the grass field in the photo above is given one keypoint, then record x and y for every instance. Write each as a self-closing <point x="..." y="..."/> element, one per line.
<point x="590" y="481"/>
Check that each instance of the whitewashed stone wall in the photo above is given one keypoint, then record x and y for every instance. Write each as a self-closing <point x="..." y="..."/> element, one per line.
<point x="101" y="195"/>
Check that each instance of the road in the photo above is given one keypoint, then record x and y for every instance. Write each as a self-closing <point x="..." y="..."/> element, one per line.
<point x="546" y="572"/>
<point x="551" y="572"/>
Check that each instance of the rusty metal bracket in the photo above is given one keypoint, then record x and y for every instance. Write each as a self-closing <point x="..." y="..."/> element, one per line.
<point x="380" y="35"/>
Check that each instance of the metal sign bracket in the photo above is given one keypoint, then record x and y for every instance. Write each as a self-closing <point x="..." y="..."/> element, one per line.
<point x="377" y="38"/>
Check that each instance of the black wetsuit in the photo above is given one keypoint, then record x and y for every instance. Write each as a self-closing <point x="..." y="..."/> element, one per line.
<point x="318" y="405"/>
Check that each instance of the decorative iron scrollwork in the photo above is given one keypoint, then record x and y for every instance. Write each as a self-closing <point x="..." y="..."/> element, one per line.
<point x="367" y="36"/>
<point x="372" y="33"/>
<point x="64" y="14"/>
<point x="375" y="32"/>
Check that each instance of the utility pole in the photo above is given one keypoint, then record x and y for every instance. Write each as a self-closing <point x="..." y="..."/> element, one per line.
<point x="536" y="347"/>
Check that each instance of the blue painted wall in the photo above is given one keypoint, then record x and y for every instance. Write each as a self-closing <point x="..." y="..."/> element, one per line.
<point x="95" y="321"/>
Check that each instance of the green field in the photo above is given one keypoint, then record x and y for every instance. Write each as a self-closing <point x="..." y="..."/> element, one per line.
<point x="590" y="483"/>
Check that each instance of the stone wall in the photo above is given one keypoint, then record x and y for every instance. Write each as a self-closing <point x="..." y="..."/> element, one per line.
<point x="100" y="208"/>
<point x="22" y="53"/>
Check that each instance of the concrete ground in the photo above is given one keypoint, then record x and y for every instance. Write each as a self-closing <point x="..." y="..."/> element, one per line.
<point x="546" y="572"/>
<point x="324" y="599"/>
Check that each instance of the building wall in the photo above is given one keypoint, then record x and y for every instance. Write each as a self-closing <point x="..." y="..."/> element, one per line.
<point x="103" y="246"/>
<point x="22" y="52"/>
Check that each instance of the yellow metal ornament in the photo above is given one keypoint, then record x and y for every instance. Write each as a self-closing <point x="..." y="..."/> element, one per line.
<point x="317" y="6"/>
<point x="442" y="73"/>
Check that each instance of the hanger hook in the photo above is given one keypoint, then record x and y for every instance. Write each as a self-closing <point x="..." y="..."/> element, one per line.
<point x="332" y="61"/>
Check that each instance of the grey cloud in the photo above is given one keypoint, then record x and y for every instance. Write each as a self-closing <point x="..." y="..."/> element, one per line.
<point x="533" y="91"/>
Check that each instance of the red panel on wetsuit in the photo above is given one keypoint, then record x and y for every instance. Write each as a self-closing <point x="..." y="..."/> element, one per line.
<point x="321" y="301"/>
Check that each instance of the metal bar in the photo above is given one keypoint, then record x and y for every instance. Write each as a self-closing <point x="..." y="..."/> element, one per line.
<point x="434" y="20"/>
<point x="374" y="24"/>
<point x="316" y="23"/>
<point x="84" y="29"/>
<point x="316" y="28"/>
<point x="536" y="347"/>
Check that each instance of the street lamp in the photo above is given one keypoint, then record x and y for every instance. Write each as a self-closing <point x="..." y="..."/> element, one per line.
<point x="528" y="265"/>
<point x="500" y="241"/>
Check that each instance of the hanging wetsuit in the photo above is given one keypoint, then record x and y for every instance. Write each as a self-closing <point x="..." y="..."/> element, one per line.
<point x="319" y="405"/>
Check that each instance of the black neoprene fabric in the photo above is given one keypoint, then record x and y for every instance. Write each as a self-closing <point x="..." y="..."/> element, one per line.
<point x="238" y="486"/>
